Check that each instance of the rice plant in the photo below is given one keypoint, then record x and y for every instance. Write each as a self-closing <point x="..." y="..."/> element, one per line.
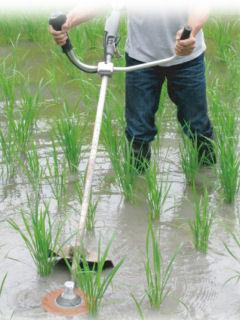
<point x="92" y="206"/>
<point x="40" y="237"/>
<point x="57" y="177"/>
<point x="92" y="281"/>
<point x="33" y="168"/>
<point x="69" y="132"/>
<point x="189" y="152"/>
<point x="2" y="283"/>
<point x="138" y="307"/>
<point x="234" y="255"/>
<point x="156" y="274"/>
<point x="20" y="122"/>
<point x="9" y="152"/>
<point x="121" y="156"/>
<point x="226" y="146"/>
<point x="228" y="169"/>
<point x="201" y="226"/>
<point x="157" y="191"/>
<point x="221" y="32"/>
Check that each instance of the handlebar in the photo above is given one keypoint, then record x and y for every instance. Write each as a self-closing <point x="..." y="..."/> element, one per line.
<point x="57" y="21"/>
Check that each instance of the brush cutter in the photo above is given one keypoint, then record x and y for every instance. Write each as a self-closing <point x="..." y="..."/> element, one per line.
<point x="105" y="69"/>
<point x="69" y="301"/>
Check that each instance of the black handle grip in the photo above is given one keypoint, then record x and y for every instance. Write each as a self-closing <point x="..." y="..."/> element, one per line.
<point x="186" y="33"/>
<point x="57" y="21"/>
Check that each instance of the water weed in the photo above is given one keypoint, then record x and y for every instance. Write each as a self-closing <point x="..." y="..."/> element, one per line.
<point x="92" y="281"/>
<point x="156" y="274"/>
<point x="69" y="134"/>
<point x="201" y="226"/>
<point x="40" y="237"/>
<point x="157" y="191"/>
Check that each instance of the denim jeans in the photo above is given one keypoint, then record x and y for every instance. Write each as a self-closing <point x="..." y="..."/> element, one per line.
<point x="186" y="88"/>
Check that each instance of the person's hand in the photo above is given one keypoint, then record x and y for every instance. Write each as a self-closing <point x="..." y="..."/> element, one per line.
<point x="184" y="47"/>
<point x="60" y="36"/>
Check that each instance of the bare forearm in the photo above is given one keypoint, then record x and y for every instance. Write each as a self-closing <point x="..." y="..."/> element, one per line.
<point x="83" y="13"/>
<point x="197" y="20"/>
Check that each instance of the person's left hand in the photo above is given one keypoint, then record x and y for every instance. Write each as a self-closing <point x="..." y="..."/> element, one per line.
<point x="184" y="47"/>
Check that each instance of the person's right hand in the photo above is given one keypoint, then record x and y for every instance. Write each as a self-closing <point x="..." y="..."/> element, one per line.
<point x="60" y="36"/>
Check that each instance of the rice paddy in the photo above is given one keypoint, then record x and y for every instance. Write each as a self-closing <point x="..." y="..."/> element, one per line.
<point x="47" y="112"/>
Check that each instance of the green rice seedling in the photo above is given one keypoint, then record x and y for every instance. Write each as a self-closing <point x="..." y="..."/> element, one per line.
<point x="33" y="168"/>
<point x="123" y="164"/>
<point x="57" y="177"/>
<point x="9" y="152"/>
<point x="2" y="283"/>
<point x="157" y="191"/>
<point x="92" y="281"/>
<point x="92" y="207"/>
<point x="120" y="154"/>
<point x="201" y="226"/>
<point x="157" y="276"/>
<point x="228" y="168"/>
<point x="69" y="132"/>
<point x="226" y="145"/>
<point x="234" y="255"/>
<point x="34" y="28"/>
<point x="224" y="117"/>
<point x="159" y="116"/>
<point x="7" y="84"/>
<point x="22" y="123"/>
<point x="190" y="158"/>
<point x="221" y="31"/>
<point x="138" y="306"/>
<point x="40" y="237"/>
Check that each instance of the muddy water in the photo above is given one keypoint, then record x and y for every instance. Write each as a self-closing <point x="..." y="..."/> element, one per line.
<point x="197" y="283"/>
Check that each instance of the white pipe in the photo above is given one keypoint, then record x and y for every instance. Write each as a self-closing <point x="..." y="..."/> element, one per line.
<point x="91" y="161"/>
<point x="93" y="69"/>
<point x="144" y="65"/>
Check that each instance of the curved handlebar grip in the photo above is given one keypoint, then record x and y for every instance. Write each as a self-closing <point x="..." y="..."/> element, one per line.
<point x="57" y="21"/>
<point x="186" y="33"/>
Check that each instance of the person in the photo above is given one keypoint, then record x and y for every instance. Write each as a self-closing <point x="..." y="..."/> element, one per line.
<point x="154" y="36"/>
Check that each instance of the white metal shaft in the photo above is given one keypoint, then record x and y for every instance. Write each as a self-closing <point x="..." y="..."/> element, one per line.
<point x="144" y="65"/>
<point x="93" y="69"/>
<point x="91" y="161"/>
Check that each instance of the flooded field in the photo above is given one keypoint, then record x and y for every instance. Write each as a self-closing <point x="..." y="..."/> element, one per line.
<point x="198" y="286"/>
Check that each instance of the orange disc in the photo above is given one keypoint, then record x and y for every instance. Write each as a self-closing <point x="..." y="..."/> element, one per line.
<point x="49" y="304"/>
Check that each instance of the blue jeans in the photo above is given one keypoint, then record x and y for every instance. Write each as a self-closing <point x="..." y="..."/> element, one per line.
<point x="186" y="88"/>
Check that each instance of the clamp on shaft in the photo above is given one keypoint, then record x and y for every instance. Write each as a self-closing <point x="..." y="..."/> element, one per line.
<point x="105" y="69"/>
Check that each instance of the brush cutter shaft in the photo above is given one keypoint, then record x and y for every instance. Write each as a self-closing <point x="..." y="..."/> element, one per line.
<point x="91" y="161"/>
